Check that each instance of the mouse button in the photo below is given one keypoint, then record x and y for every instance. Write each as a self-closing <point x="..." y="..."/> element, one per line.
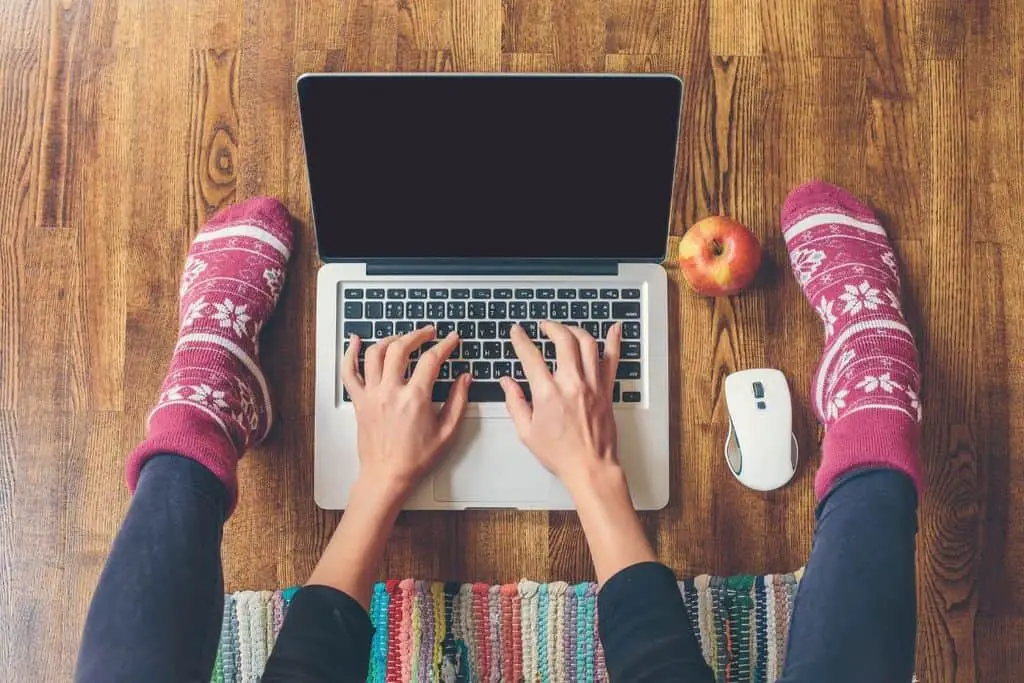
<point x="758" y="390"/>
<point x="733" y="454"/>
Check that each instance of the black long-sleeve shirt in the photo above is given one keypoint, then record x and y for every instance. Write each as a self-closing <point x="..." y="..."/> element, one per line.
<point x="643" y="623"/>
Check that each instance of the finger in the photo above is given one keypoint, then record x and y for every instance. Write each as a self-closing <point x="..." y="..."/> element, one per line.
<point x="533" y="363"/>
<point x="590" y="356"/>
<point x="567" y="349"/>
<point x="350" y="367"/>
<point x="519" y="409"/>
<point x="610" y="362"/>
<point x="397" y="359"/>
<point x="430" y="362"/>
<point x="454" y="408"/>
<point x="373" y="365"/>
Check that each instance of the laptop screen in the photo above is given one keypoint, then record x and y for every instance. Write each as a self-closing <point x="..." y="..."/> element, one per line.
<point x="492" y="166"/>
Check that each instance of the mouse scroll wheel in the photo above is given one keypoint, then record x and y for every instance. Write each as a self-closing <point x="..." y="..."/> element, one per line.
<point x="758" y="390"/>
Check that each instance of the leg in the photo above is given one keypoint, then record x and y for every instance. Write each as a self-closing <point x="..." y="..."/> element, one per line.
<point x="157" y="610"/>
<point x="854" y="618"/>
<point x="156" y="614"/>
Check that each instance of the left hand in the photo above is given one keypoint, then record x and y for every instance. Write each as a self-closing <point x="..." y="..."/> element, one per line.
<point x="401" y="434"/>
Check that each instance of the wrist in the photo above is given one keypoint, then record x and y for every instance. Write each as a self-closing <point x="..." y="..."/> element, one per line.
<point x="378" y="493"/>
<point x="599" y="480"/>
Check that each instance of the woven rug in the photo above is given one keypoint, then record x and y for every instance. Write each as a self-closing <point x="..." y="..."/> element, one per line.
<point x="526" y="631"/>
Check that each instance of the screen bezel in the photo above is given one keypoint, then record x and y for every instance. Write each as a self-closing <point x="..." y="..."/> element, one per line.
<point x="412" y="261"/>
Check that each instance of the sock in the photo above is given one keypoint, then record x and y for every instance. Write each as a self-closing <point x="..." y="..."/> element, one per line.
<point x="214" y="402"/>
<point x="865" y="391"/>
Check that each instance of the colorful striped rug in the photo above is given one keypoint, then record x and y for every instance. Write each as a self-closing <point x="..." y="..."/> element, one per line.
<point x="526" y="631"/>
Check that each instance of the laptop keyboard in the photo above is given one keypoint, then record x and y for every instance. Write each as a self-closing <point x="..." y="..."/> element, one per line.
<point x="483" y="318"/>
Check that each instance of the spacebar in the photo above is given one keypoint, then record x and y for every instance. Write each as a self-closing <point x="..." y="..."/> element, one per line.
<point x="479" y="392"/>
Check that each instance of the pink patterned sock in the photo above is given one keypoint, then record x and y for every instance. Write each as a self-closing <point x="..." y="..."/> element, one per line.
<point x="214" y="403"/>
<point x="865" y="390"/>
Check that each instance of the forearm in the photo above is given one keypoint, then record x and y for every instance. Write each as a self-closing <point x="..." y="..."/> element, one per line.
<point x="612" y="527"/>
<point x="357" y="546"/>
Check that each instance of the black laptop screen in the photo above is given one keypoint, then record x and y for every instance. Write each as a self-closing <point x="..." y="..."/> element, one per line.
<point x="490" y="166"/>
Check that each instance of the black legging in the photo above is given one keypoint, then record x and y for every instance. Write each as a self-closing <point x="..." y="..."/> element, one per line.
<point x="156" y="614"/>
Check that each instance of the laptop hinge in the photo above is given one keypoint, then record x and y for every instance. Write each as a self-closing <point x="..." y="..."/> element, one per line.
<point x="496" y="267"/>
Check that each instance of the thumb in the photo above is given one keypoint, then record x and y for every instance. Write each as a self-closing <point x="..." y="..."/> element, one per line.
<point x="455" y="406"/>
<point x="519" y="409"/>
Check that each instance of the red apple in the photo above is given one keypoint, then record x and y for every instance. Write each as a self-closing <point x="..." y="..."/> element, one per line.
<point x="719" y="256"/>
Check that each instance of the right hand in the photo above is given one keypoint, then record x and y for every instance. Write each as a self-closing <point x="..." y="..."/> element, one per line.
<point x="570" y="426"/>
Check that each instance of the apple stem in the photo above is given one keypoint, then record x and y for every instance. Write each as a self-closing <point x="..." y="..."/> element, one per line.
<point x="717" y="247"/>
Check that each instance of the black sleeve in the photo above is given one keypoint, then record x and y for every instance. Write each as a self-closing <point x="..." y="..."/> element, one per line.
<point x="645" y="630"/>
<point x="325" y="637"/>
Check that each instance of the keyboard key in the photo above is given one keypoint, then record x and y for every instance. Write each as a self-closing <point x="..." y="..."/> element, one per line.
<point x="517" y="371"/>
<point x="605" y="326"/>
<point x="567" y="294"/>
<point x="616" y="392"/>
<point x="524" y="293"/>
<point x="539" y="310"/>
<point x="559" y="310"/>
<point x="592" y="328"/>
<point x="545" y="294"/>
<point x="487" y="329"/>
<point x="530" y="327"/>
<point x="481" y="294"/>
<point x="456" y="309"/>
<point x="479" y="392"/>
<point x="394" y="310"/>
<point x="374" y="310"/>
<point x="588" y="293"/>
<point x="362" y="329"/>
<point x="459" y="368"/>
<point x="549" y="350"/>
<point x="375" y="294"/>
<point x="570" y="323"/>
<point x="628" y="370"/>
<point x="383" y="329"/>
<point x="417" y="294"/>
<point x="580" y="310"/>
<point x="435" y="309"/>
<point x="517" y="310"/>
<point x="496" y="310"/>
<point x="600" y="349"/>
<point x="505" y="330"/>
<point x="631" y="330"/>
<point x="353" y="294"/>
<point x="626" y="310"/>
<point x="415" y="310"/>
<point x="466" y="330"/>
<point x="403" y="327"/>
<point x="471" y="350"/>
<point x="460" y="293"/>
<point x="507" y="350"/>
<point x="477" y="310"/>
<point x="420" y="324"/>
<point x="609" y="294"/>
<point x="353" y="309"/>
<point x="629" y="350"/>
<point x="492" y="350"/>
<point x="396" y="293"/>
<point x="630" y="396"/>
<point x="599" y="310"/>
<point x="445" y="371"/>
<point x="551" y="366"/>
<point x="444" y="328"/>
<point x="502" y="369"/>
<point x="503" y="294"/>
<point x="438" y="293"/>
<point x="481" y="370"/>
<point x="631" y="294"/>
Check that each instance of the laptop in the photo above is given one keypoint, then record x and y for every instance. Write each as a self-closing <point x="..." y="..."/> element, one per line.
<point x="474" y="202"/>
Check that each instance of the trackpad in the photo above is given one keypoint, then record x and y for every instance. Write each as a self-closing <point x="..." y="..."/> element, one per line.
<point x="490" y="467"/>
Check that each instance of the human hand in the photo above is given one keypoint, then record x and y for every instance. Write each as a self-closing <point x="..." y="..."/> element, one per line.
<point x="401" y="434"/>
<point x="570" y="427"/>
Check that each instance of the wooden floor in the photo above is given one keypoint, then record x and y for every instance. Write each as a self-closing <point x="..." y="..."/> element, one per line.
<point x="123" y="124"/>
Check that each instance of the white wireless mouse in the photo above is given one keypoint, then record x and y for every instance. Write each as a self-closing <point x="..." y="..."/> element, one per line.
<point x="761" y="450"/>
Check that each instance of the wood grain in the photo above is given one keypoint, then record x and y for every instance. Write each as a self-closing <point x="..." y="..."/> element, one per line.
<point x="127" y="123"/>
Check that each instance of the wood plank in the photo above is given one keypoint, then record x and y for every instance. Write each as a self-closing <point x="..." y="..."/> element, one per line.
<point x="579" y="35"/>
<point x="476" y="35"/>
<point x="526" y="26"/>
<point x="9" y="640"/>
